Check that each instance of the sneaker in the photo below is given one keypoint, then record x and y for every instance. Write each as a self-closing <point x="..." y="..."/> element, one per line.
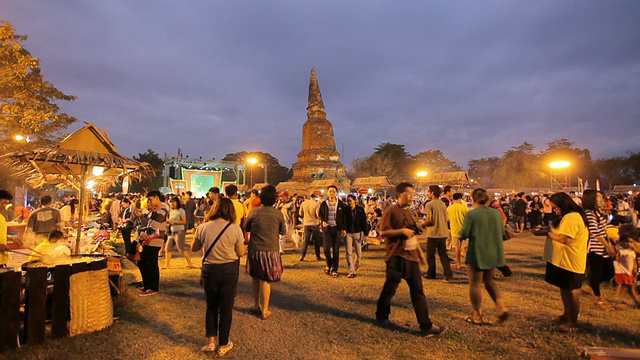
<point x="351" y="276"/>
<point x="224" y="349"/>
<point x="428" y="277"/>
<point x="147" y="292"/>
<point x="387" y="324"/>
<point x="433" y="331"/>
<point x="448" y="281"/>
<point x="334" y="274"/>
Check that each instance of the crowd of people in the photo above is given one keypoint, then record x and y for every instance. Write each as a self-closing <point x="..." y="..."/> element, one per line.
<point x="585" y="235"/>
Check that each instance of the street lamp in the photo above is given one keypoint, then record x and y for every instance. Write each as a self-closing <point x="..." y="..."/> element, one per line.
<point x="252" y="161"/>
<point x="559" y="168"/>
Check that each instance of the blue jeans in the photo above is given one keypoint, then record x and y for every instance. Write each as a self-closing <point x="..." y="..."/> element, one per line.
<point x="354" y="240"/>
<point x="311" y="231"/>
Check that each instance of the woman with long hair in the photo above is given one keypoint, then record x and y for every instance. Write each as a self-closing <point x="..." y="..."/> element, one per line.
<point x="599" y="261"/>
<point x="535" y="212"/>
<point x="223" y="245"/>
<point x="565" y="252"/>
<point x="484" y="228"/>
<point x="265" y="224"/>
<point x="177" y="222"/>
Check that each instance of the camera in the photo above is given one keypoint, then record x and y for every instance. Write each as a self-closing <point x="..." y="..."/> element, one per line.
<point x="416" y="229"/>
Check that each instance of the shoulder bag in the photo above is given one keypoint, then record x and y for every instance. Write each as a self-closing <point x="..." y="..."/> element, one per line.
<point x="212" y="245"/>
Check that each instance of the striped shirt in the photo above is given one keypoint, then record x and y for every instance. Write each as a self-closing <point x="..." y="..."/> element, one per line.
<point x="597" y="224"/>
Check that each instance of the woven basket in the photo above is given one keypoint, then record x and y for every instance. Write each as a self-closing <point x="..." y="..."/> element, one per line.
<point x="90" y="302"/>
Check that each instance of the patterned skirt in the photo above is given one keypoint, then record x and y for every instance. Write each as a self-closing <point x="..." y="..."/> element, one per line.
<point x="264" y="265"/>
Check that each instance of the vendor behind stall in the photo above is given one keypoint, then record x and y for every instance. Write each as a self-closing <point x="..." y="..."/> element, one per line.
<point x="41" y="222"/>
<point x="5" y="198"/>
<point x="47" y="248"/>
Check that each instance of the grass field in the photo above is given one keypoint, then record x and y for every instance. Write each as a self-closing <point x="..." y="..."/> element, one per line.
<point x="318" y="317"/>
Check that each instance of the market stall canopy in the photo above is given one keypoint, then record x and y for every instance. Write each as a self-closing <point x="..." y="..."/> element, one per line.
<point x="88" y="148"/>
<point x="446" y="178"/>
<point x="372" y="182"/>
<point x="318" y="185"/>
<point x="293" y="187"/>
<point x="258" y="186"/>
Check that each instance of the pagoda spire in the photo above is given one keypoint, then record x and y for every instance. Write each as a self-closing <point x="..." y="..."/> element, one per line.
<point x="315" y="97"/>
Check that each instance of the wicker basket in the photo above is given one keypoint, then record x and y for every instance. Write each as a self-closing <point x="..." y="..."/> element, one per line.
<point x="90" y="302"/>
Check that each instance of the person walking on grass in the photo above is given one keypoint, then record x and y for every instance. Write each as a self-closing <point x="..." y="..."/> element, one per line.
<point x="437" y="233"/>
<point x="148" y="263"/>
<point x="356" y="224"/>
<point x="403" y="258"/>
<point x="601" y="251"/>
<point x="484" y="228"/>
<point x="309" y="213"/>
<point x="177" y="222"/>
<point x="565" y="252"/>
<point x="332" y="216"/>
<point x="457" y="212"/>
<point x="625" y="264"/>
<point x="223" y="244"/>
<point x="264" y="224"/>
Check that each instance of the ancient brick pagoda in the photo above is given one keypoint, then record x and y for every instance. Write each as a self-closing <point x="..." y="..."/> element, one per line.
<point x="319" y="159"/>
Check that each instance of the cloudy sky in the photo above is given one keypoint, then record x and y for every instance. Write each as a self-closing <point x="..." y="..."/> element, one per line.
<point x="471" y="78"/>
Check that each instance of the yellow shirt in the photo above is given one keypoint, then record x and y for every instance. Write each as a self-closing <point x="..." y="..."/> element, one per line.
<point x="571" y="256"/>
<point x="241" y="211"/>
<point x="44" y="248"/>
<point x="457" y="212"/>
<point x="4" y="256"/>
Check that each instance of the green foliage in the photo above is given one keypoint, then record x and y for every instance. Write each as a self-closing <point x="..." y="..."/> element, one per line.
<point x="152" y="158"/>
<point x="482" y="170"/>
<point x="519" y="168"/>
<point x="27" y="101"/>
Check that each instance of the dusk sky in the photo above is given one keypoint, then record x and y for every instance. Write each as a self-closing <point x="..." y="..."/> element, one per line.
<point x="470" y="78"/>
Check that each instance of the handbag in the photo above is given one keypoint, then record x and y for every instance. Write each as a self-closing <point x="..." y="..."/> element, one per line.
<point x="508" y="233"/>
<point x="211" y="247"/>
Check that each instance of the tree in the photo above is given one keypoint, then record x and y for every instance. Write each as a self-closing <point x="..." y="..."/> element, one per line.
<point x="27" y="101"/>
<point x="375" y="165"/>
<point x="275" y="172"/>
<point x="152" y="158"/>
<point x="482" y="170"/>
<point x="519" y="168"/>
<point x="433" y="161"/>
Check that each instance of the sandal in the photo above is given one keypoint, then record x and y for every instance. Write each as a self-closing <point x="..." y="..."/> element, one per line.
<point x="224" y="349"/>
<point x="209" y="348"/>
<point x="558" y="320"/>
<point x="472" y="321"/>
<point x="604" y="305"/>
<point x="566" y="329"/>
<point x="503" y="317"/>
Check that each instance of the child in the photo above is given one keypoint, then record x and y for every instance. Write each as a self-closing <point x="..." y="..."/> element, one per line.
<point x="625" y="264"/>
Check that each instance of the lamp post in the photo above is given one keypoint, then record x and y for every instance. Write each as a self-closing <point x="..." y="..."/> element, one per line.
<point x="559" y="168"/>
<point x="252" y="161"/>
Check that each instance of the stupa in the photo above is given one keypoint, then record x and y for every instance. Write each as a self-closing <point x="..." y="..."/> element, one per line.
<point x="319" y="159"/>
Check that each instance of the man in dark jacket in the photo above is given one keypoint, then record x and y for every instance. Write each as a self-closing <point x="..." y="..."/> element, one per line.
<point x="332" y="217"/>
<point x="356" y="226"/>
